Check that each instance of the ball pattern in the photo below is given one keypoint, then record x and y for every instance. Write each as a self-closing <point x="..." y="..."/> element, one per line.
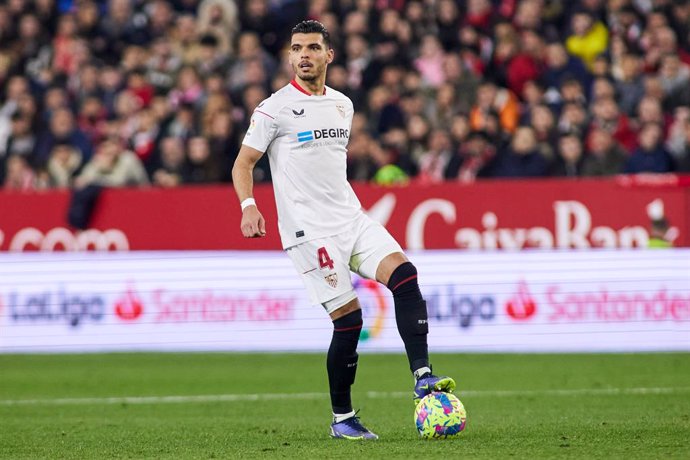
<point x="440" y="415"/>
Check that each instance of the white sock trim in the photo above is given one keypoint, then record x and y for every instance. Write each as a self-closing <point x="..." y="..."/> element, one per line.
<point x="421" y="371"/>
<point x="337" y="418"/>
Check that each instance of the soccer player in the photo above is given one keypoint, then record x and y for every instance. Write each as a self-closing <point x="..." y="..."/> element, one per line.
<point x="304" y="127"/>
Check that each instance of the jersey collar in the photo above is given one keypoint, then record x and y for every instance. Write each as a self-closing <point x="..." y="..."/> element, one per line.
<point x="294" y="83"/>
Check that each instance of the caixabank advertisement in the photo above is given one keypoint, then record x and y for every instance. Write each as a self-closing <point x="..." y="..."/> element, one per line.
<point x="485" y="216"/>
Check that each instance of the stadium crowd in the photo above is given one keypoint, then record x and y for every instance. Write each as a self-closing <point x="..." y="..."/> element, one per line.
<point x="133" y="92"/>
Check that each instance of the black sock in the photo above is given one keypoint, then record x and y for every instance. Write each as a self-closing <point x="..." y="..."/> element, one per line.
<point x="342" y="360"/>
<point x="410" y="314"/>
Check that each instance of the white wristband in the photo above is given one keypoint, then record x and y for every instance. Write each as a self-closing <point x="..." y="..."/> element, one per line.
<point x="248" y="202"/>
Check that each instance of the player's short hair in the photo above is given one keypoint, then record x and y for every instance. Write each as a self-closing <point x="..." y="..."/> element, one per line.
<point x="312" y="27"/>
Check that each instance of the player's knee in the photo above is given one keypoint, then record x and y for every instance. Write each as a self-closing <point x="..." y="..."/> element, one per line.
<point x="404" y="279"/>
<point x="350" y="322"/>
<point x="346" y="331"/>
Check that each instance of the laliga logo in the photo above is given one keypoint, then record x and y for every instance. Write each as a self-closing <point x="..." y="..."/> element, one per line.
<point x="521" y="306"/>
<point x="129" y="307"/>
<point x="373" y="303"/>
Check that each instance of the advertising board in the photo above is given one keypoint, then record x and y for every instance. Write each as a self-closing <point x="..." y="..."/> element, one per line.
<point x="522" y="301"/>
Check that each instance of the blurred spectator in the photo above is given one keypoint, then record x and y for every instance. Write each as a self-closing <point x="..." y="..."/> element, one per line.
<point x="211" y="59"/>
<point x="521" y="159"/>
<point x="257" y="17"/>
<point x="160" y="16"/>
<point x="62" y="129"/>
<point x="144" y="135"/>
<point x="430" y="61"/>
<point x="447" y="20"/>
<point x="434" y="163"/>
<point x="605" y="157"/>
<point x="19" y="175"/>
<point x="679" y="139"/>
<point x="394" y="143"/>
<point x="87" y="16"/>
<point x="78" y="72"/>
<point x="602" y="88"/>
<point x="64" y="163"/>
<point x="84" y="83"/>
<point x="218" y="18"/>
<point x="649" y="111"/>
<point x="182" y="124"/>
<point x="589" y="37"/>
<point x="384" y="112"/>
<point x="526" y="64"/>
<point x="121" y="26"/>
<point x="204" y="166"/>
<point x="111" y="83"/>
<point x="112" y="166"/>
<point x="629" y="84"/>
<point x="139" y="87"/>
<point x="650" y="156"/>
<point x="92" y="119"/>
<point x="574" y="118"/>
<point x="162" y="65"/>
<point x="674" y="77"/>
<point x="170" y="169"/>
<point x="474" y="159"/>
<point x="418" y="128"/>
<point x="361" y="162"/>
<point x="68" y="49"/>
<point x="22" y="139"/>
<point x="249" y="53"/>
<point x="502" y="101"/>
<point x="544" y="124"/>
<point x="188" y="89"/>
<point x="223" y="142"/>
<point x="183" y="38"/>
<point x="570" y="159"/>
<point x="573" y="91"/>
<point x="463" y="81"/>
<point x="606" y="115"/>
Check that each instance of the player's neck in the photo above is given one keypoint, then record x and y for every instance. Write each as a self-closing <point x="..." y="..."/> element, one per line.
<point x="313" y="88"/>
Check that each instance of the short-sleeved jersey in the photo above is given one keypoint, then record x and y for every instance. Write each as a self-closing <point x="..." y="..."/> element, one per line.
<point x="306" y="139"/>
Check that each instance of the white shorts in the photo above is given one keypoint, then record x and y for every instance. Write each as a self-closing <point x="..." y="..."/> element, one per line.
<point x="325" y="263"/>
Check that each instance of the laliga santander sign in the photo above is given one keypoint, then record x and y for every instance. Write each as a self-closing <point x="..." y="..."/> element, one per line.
<point x="572" y="228"/>
<point x="60" y="238"/>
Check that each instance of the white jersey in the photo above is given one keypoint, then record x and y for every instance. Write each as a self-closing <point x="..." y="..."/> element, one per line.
<point x="306" y="140"/>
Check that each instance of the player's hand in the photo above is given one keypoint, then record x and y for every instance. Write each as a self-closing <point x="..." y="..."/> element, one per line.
<point x="253" y="224"/>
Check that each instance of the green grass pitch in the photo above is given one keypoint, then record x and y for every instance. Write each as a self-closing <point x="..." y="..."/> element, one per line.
<point x="519" y="406"/>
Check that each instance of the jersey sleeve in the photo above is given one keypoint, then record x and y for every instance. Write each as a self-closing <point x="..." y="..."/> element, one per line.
<point x="262" y="130"/>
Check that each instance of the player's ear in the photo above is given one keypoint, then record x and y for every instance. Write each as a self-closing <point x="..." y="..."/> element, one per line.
<point x="331" y="56"/>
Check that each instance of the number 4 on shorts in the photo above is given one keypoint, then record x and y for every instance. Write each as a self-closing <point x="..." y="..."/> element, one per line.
<point x="324" y="259"/>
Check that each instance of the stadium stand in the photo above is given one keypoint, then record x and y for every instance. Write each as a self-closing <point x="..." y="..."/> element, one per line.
<point x="444" y="90"/>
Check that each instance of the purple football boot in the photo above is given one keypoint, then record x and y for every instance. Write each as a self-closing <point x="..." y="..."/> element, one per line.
<point x="428" y="383"/>
<point x="351" y="428"/>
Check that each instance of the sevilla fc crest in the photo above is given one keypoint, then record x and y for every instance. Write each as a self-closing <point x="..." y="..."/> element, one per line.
<point x="341" y="109"/>
<point x="332" y="279"/>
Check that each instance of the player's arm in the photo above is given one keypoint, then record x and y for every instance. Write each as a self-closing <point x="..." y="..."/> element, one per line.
<point x="253" y="224"/>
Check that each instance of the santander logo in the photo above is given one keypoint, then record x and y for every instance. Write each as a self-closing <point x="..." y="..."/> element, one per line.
<point x="129" y="307"/>
<point x="521" y="306"/>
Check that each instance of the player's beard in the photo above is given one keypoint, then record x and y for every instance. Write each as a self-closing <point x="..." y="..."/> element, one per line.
<point x="308" y="77"/>
<point x="311" y="76"/>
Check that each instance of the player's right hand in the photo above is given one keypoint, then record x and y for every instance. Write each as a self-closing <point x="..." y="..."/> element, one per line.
<point x="253" y="224"/>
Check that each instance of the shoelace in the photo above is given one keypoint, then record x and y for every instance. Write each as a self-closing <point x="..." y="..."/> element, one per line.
<point x="355" y="423"/>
